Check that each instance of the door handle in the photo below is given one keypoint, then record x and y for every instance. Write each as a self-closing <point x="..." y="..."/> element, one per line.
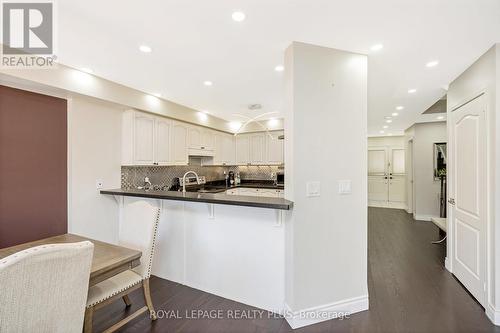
<point x="451" y="201"/>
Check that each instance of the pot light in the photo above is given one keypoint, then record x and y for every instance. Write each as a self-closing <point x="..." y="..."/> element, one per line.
<point x="238" y="16"/>
<point x="208" y="83"/>
<point x="235" y="125"/>
<point x="440" y="118"/>
<point x="385" y="126"/>
<point x="272" y="122"/>
<point x="381" y="132"/>
<point x="395" y="114"/>
<point x="399" y="108"/>
<point x="377" y="47"/>
<point x="388" y="121"/>
<point x="87" y="70"/>
<point x="432" y="63"/>
<point x="412" y="91"/>
<point x="279" y="68"/>
<point x="387" y="117"/>
<point x="145" y="49"/>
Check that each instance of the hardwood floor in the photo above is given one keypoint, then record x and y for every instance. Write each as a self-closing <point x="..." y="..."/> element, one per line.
<point x="410" y="291"/>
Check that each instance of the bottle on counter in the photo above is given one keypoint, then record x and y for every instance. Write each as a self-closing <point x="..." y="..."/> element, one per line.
<point x="237" y="180"/>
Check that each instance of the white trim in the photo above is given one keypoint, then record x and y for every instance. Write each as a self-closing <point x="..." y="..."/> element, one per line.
<point x="317" y="314"/>
<point x="393" y="205"/>
<point x="424" y="217"/>
<point x="493" y="314"/>
<point x="447" y="265"/>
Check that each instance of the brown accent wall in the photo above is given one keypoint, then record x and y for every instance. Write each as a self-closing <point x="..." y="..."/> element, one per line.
<point x="33" y="166"/>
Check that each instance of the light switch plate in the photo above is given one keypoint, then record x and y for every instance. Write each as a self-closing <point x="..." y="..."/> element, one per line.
<point x="345" y="187"/>
<point x="99" y="184"/>
<point x="313" y="189"/>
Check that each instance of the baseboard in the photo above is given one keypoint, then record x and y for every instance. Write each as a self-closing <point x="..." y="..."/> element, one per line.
<point x="336" y="310"/>
<point x="385" y="205"/>
<point x="447" y="264"/>
<point x="424" y="217"/>
<point x="493" y="314"/>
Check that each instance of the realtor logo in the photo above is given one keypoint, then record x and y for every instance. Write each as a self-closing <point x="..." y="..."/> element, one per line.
<point x="27" y="34"/>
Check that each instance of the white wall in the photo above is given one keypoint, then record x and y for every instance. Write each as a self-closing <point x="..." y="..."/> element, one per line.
<point x="326" y="131"/>
<point x="386" y="141"/>
<point x="94" y="153"/>
<point x="484" y="77"/>
<point x="427" y="190"/>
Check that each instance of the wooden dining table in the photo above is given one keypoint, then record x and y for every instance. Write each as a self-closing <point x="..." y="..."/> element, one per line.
<point x="108" y="259"/>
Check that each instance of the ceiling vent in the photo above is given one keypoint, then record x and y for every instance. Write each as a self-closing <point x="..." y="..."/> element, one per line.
<point x="254" y="107"/>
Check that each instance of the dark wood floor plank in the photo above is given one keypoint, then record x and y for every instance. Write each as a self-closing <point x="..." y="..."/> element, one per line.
<point x="410" y="291"/>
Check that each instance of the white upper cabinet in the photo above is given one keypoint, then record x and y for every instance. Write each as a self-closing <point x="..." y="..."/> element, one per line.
<point x="242" y="149"/>
<point x="146" y="139"/>
<point x="258" y="148"/>
<point x="179" y="144"/>
<point x="194" y="137"/>
<point x="144" y="130"/>
<point x="163" y="141"/>
<point x="275" y="148"/>
<point x="207" y="139"/>
<point x="224" y="149"/>
<point x="154" y="140"/>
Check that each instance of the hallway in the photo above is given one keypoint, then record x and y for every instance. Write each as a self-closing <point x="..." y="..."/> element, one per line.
<point x="410" y="291"/>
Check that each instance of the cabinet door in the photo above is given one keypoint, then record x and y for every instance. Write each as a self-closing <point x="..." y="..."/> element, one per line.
<point x="179" y="144"/>
<point x="144" y="131"/>
<point x="219" y="149"/>
<point x="207" y="139"/>
<point x="258" y="148"/>
<point x="162" y="141"/>
<point x="242" y="149"/>
<point x="275" y="148"/>
<point x="194" y="137"/>
<point x="229" y="153"/>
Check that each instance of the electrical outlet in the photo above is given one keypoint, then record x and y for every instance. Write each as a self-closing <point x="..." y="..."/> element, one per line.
<point x="99" y="184"/>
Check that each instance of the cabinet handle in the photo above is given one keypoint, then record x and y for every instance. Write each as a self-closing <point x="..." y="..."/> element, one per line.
<point x="202" y="147"/>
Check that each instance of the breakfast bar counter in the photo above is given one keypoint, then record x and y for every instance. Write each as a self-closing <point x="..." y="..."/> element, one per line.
<point x="213" y="198"/>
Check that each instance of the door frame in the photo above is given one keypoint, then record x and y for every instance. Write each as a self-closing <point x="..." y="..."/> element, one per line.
<point x="410" y="181"/>
<point x="449" y="180"/>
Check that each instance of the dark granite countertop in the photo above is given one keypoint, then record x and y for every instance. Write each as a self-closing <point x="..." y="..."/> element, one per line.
<point x="215" y="198"/>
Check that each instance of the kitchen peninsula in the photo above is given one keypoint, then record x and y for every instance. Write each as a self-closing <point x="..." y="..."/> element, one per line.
<point x="228" y="245"/>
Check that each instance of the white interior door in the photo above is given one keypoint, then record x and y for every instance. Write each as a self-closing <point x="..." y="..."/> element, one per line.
<point x="397" y="186"/>
<point x="378" y="193"/>
<point x="467" y="186"/>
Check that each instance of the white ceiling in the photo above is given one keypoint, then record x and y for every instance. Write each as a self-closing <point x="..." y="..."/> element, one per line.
<point x="195" y="41"/>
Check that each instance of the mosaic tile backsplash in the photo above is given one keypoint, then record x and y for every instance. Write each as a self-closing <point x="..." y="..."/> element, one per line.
<point x="133" y="176"/>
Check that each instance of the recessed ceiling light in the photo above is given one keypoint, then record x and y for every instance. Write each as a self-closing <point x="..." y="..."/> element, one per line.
<point x="238" y="16"/>
<point x="208" y="83"/>
<point x="381" y="132"/>
<point x="399" y="108"/>
<point x="440" y="118"/>
<point x="145" y="49"/>
<point x="87" y="70"/>
<point x="432" y="63"/>
<point x="388" y="121"/>
<point x="279" y="68"/>
<point x="412" y="91"/>
<point x="377" y="47"/>
<point x="387" y="117"/>
<point x="395" y="114"/>
<point x="385" y="126"/>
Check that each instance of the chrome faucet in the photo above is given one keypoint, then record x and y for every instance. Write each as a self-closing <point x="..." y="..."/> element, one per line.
<point x="184" y="180"/>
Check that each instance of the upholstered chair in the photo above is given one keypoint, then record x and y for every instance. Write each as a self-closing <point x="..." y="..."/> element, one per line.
<point x="138" y="228"/>
<point x="44" y="288"/>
